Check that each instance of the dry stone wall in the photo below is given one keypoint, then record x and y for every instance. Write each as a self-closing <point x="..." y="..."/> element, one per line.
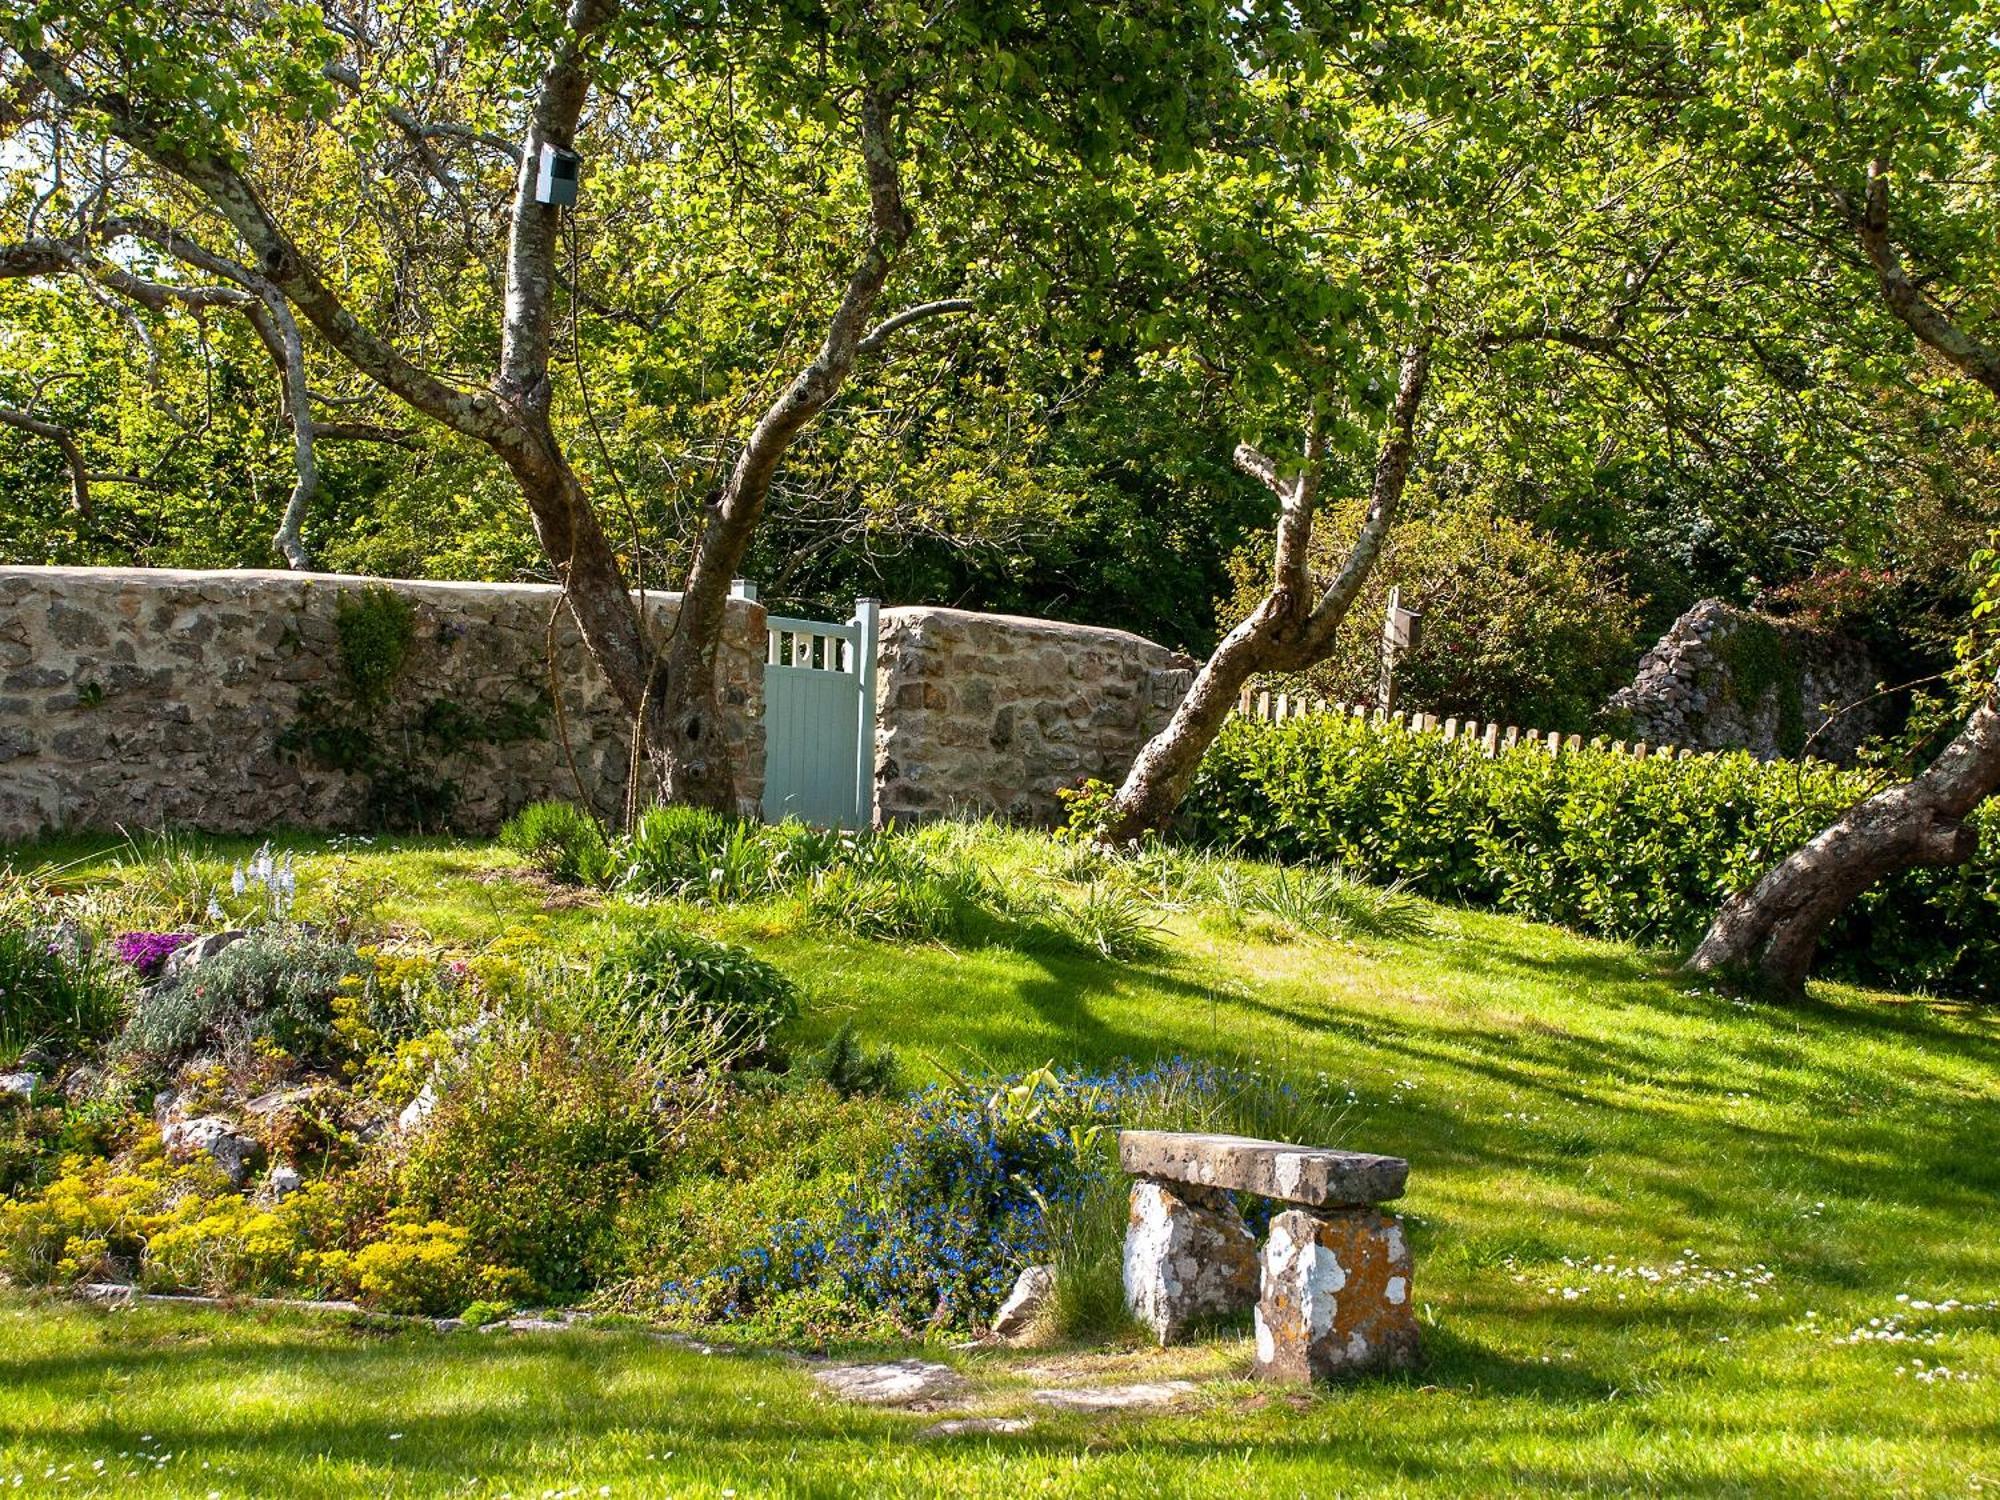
<point x="993" y="713"/>
<point x="149" y="698"/>
<point x="1725" y="678"/>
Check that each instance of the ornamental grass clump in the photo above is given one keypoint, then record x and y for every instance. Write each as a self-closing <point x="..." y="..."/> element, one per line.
<point x="57" y="992"/>
<point x="668" y="989"/>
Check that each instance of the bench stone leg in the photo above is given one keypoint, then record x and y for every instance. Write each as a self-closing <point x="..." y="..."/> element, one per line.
<point x="1188" y="1257"/>
<point x="1335" y="1296"/>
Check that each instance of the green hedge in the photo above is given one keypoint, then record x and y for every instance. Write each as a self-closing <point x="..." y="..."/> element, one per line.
<point x="1600" y="842"/>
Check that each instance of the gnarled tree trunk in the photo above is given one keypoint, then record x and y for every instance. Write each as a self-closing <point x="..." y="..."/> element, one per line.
<point x="1765" y="938"/>
<point x="1288" y="629"/>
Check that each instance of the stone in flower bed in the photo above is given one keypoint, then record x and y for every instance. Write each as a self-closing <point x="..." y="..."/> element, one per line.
<point x="19" y="1085"/>
<point x="216" y="1137"/>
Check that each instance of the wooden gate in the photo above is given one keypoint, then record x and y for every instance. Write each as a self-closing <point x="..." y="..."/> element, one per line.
<point x="819" y="719"/>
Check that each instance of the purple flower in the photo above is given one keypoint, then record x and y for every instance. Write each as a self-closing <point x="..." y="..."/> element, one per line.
<point x="148" y="952"/>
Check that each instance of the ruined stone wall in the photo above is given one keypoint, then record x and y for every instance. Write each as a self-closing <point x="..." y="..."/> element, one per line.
<point x="1725" y="678"/>
<point x="993" y="713"/>
<point x="142" y="698"/>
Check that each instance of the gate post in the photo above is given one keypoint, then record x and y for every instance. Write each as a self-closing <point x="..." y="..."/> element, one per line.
<point x="867" y="623"/>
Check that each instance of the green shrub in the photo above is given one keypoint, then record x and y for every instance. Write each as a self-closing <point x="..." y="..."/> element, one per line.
<point x="1644" y="850"/>
<point x="276" y="986"/>
<point x="56" y="991"/>
<point x="666" y="983"/>
<point x="561" y="840"/>
<point x="538" y="1140"/>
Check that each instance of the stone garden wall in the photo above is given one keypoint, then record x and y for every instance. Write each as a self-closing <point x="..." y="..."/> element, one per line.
<point x="220" y="700"/>
<point x="1728" y="679"/>
<point x="993" y="713"/>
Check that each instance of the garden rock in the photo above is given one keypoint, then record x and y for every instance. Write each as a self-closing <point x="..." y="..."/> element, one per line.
<point x="19" y="1086"/>
<point x="282" y="1181"/>
<point x="1189" y="1257"/>
<point x="903" y="1382"/>
<point x="215" y="1137"/>
<point x="1335" y="1298"/>
<point x="278" y="1100"/>
<point x="418" y="1109"/>
<point x="1024" y="1304"/>
<point x="200" y="951"/>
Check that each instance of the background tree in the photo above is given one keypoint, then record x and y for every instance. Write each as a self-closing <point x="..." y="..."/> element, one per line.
<point x="870" y="108"/>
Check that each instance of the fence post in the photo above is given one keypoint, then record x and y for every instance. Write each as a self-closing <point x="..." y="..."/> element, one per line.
<point x="1244" y="699"/>
<point x="867" y="623"/>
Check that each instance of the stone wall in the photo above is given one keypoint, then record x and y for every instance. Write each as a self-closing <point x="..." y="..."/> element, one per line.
<point x="993" y="713"/>
<point x="150" y="698"/>
<point x="1728" y="679"/>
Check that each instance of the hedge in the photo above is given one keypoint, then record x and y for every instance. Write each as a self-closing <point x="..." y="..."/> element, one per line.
<point x="1597" y="841"/>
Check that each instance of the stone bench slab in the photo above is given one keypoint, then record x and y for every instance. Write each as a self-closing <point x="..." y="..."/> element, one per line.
<point x="1314" y="1176"/>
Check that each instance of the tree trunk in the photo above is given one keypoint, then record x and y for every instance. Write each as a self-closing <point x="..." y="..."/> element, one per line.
<point x="1764" y="939"/>
<point x="1167" y="763"/>
<point x="1287" y="630"/>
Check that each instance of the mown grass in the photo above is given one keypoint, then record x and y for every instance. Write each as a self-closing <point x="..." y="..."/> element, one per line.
<point x="1565" y="1104"/>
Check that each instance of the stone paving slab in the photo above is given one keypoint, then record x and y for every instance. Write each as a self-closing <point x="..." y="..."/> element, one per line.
<point x="1140" y="1394"/>
<point x="1317" y="1177"/>
<point x="902" y="1382"/>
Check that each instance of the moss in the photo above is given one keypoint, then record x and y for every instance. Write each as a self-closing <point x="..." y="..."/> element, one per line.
<point x="1761" y="660"/>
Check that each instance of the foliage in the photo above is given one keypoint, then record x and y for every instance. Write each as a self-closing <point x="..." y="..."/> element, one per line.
<point x="56" y="991"/>
<point x="561" y="840"/>
<point x="275" y="986"/>
<point x="665" y="983"/>
<point x="1597" y="841"/>
<point x="95" y="1217"/>
<point x="147" y="952"/>
<point x="1086" y="809"/>
<point x="428" y="1267"/>
<point x="934" y="1233"/>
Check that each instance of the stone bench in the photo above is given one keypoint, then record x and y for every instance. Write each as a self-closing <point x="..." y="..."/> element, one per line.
<point x="1331" y="1286"/>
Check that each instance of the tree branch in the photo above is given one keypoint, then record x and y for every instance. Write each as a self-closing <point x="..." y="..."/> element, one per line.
<point x="276" y="256"/>
<point x="79" y="474"/>
<point x="1906" y="299"/>
<point x="881" y="333"/>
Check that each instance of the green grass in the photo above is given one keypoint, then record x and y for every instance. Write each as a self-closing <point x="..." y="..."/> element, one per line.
<point x="1564" y="1104"/>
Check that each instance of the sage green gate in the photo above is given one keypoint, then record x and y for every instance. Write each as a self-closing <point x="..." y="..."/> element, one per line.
<point x="819" y="719"/>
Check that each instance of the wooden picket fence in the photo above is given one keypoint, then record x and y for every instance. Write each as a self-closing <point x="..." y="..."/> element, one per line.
<point x="1491" y="737"/>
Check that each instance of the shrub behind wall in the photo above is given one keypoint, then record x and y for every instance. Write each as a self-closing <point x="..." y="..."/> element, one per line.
<point x="1601" y="842"/>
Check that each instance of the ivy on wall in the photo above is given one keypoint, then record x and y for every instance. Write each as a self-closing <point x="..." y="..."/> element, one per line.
<point x="1762" y="659"/>
<point x="368" y="725"/>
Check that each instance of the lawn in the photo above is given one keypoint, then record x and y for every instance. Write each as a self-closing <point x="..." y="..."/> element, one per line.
<point x="1666" y="1242"/>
